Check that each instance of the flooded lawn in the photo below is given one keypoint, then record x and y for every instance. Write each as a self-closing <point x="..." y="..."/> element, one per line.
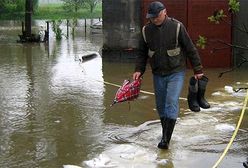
<point x="55" y="111"/>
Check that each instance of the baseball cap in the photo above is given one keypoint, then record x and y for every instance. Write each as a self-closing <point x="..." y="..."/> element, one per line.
<point x="154" y="9"/>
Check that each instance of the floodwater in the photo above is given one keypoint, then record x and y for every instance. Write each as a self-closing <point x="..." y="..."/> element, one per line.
<point x="55" y="111"/>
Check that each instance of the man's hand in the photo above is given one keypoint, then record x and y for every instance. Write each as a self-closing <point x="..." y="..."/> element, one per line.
<point x="136" y="75"/>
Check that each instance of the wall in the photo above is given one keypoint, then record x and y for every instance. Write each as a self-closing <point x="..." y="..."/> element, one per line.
<point x="216" y="54"/>
<point x="239" y="37"/>
<point x="121" y="24"/>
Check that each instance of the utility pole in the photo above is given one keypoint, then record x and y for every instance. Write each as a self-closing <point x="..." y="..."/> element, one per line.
<point x="28" y="17"/>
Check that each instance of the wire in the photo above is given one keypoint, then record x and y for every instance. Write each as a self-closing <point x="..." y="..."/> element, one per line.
<point x="234" y="134"/>
<point x="141" y="91"/>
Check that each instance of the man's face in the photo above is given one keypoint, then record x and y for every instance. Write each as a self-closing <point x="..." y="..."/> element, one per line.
<point x="160" y="18"/>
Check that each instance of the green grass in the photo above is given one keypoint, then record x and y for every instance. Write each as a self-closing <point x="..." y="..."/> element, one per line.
<point x="54" y="12"/>
<point x="12" y="16"/>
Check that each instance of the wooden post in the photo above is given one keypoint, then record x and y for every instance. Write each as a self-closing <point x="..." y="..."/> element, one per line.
<point x="67" y="28"/>
<point x="46" y="39"/>
<point x="28" y="17"/>
<point x="85" y="27"/>
<point x="22" y="28"/>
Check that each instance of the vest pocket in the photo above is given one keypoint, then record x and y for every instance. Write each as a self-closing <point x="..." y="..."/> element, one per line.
<point x="174" y="57"/>
<point x="174" y="52"/>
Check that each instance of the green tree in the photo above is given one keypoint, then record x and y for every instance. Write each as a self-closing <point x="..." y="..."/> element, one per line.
<point x="219" y="17"/>
<point x="92" y="4"/>
<point x="73" y="5"/>
<point x="56" y="29"/>
<point x="1" y="6"/>
<point x="16" y="6"/>
<point x="13" y="5"/>
<point x="35" y="5"/>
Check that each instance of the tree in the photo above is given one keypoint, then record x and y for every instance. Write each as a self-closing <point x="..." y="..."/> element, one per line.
<point x="219" y="17"/>
<point x="2" y="3"/>
<point x="92" y="4"/>
<point x="16" y="6"/>
<point x="73" y="5"/>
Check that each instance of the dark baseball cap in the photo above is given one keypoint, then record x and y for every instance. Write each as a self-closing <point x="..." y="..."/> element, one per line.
<point x="154" y="9"/>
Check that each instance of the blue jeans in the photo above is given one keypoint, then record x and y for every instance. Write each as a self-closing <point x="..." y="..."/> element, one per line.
<point x="167" y="91"/>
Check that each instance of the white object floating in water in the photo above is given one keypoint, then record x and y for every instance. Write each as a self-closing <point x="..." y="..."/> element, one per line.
<point x="125" y="155"/>
<point x="217" y="93"/>
<point x="224" y="127"/>
<point x="101" y="161"/>
<point x="229" y="89"/>
<point x="162" y="162"/>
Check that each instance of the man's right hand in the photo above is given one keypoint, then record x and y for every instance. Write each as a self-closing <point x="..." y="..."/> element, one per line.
<point x="136" y="75"/>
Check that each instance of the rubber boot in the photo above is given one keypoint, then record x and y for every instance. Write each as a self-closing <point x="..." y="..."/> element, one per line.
<point x="245" y="164"/>
<point x="192" y="95"/>
<point x="170" y="127"/>
<point x="163" y="143"/>
<point x="202" y="84"/>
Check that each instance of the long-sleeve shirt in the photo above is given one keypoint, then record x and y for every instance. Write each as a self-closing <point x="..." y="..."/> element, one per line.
<point x="158" y="40"/>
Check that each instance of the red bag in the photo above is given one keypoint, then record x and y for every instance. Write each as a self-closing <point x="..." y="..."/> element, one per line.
<point x="128" y="91"/>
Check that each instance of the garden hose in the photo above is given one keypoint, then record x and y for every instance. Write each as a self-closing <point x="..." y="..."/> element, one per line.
<point x="235" y="132"/>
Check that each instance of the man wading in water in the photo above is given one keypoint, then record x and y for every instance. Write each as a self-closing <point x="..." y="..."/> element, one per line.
<point x="167" y="45"/>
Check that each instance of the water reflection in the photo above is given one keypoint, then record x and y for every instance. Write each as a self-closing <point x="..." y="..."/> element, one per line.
<point x="49" y="107"/>
<point x="56" y="111"/>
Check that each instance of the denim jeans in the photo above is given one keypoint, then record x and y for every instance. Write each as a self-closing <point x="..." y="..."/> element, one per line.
<point x="167" y="91"/>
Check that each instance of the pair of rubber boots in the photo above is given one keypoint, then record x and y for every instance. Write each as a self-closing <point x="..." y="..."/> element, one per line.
<point x="196" y="94"/>
<point x="167" y="130"/>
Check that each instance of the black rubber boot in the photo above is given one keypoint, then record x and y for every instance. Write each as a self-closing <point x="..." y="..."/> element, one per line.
<point x="192" y="95"/>
<point x="202" y="84"/>
<point x="245" y="164"/>
<point x="170" y="127"/>
<point x="163" y="143"/>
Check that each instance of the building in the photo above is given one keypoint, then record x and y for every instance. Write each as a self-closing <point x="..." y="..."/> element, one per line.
<point x="123" y="20"/>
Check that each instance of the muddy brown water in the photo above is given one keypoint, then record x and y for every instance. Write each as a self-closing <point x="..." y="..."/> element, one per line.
<point x="55" y="111"/>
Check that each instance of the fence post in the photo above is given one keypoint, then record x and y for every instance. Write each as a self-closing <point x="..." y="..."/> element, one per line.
<point x="85" y="27"/>
<point x="67" y="27"/>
